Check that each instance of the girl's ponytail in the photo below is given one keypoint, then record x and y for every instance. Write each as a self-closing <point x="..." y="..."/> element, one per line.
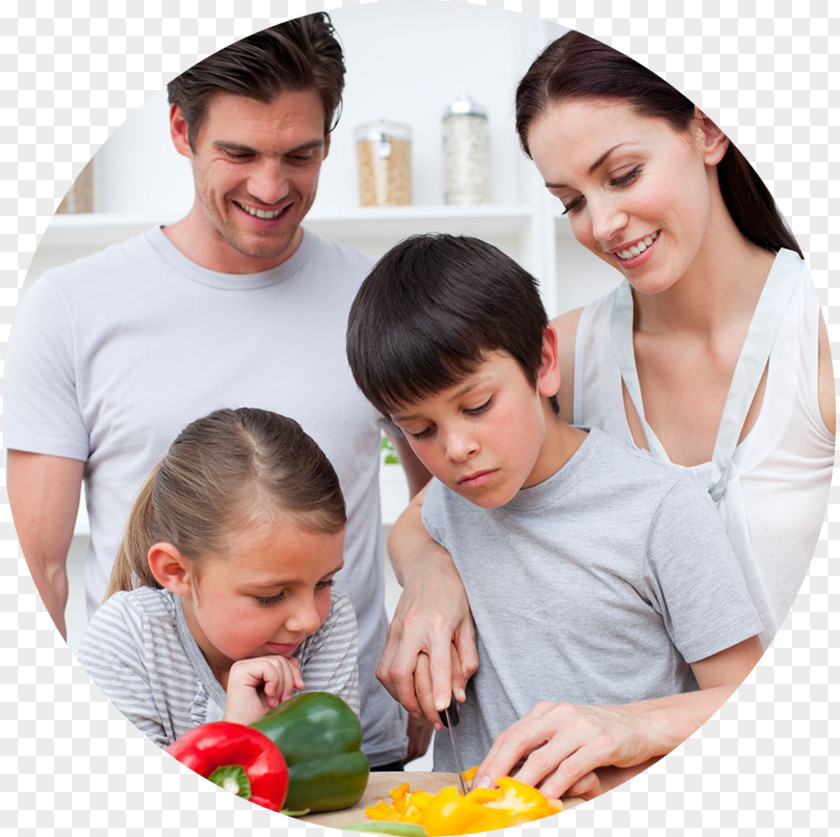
<point x="131" y="568"/>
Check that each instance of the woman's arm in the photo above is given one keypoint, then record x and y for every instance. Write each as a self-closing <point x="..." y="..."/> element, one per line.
<point x="561" y="745"/>
<point x="827" y="396"/>
<point x="430" y="651"/>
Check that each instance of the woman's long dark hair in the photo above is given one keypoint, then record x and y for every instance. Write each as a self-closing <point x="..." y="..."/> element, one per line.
<point x="576" y="66"/>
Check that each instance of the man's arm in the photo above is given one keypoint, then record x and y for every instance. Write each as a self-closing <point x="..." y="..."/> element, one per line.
<point x="563" y="744"/>
<point x="44" y="498"/>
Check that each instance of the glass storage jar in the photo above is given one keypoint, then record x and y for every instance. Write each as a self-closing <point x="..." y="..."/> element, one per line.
<point x="466" y="153"/>
<point x="383" y="154"/>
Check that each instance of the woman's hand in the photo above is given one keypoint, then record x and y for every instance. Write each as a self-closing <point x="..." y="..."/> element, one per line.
<point x="430" y="651"/>
<point x="258" y="684"/>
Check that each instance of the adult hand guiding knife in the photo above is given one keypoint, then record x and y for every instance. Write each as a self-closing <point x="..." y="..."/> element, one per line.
<point x="450" y="719"/>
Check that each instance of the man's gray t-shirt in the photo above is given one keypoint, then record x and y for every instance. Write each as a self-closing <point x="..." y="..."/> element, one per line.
<point x="598" y="586"/>
<point x="112" y="355"/>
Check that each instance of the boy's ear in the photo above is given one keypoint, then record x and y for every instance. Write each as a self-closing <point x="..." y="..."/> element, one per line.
<point x="179" y="131"/>
<point x="714" y="142"/>
<point x="548" y="379"/>
<point x="170" y="568"/>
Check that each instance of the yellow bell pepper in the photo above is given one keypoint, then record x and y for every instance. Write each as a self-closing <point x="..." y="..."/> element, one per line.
<point x="450" y="812"/>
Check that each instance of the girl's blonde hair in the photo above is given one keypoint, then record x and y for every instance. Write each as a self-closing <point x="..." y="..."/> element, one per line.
<point x="224" y="471"/>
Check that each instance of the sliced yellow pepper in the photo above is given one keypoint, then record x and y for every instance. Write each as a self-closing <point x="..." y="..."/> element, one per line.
<point x="449" y="812"/>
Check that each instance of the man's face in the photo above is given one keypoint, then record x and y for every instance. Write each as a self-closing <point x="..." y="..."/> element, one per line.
<point x="256" y="170"/>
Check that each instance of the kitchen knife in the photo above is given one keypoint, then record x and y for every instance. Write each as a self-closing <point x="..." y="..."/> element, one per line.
<point x="450" y="718"/>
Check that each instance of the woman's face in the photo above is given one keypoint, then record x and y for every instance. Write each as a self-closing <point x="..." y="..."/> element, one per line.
<point x="637" y="192"/>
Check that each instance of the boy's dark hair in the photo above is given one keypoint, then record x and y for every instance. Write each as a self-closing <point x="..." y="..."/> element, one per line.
<point x="301" y="54"/>
<point x="431" y="310"/>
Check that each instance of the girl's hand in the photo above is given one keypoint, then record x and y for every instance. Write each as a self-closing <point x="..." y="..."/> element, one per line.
<point x="258" y="684"/>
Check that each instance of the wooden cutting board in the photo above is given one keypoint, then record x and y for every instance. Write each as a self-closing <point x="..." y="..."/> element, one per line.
<point x="378" y="786"/>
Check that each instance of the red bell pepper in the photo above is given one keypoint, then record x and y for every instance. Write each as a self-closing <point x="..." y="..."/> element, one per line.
<point x="237" y="758"/>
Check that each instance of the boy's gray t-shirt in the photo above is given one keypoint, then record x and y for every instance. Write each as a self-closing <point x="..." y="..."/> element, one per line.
<point x="598" y="586"/>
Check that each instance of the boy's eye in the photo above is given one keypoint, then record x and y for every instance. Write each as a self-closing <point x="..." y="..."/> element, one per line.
<point x="477" y="411"/>
<point x="270" y="600"/>
<point x="422" y="434"/>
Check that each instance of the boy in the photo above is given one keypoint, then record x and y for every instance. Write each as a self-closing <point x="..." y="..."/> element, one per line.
<point x="596" y="576"/>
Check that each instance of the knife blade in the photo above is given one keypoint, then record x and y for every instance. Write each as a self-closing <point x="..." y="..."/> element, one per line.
<point x="450" y="718"/>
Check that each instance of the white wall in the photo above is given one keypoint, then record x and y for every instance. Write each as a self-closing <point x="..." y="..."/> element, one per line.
<point x="405" y="62"/>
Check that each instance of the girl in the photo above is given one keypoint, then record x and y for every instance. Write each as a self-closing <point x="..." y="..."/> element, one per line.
<point x="712" y="353"/>
<point x="221" y="604"/>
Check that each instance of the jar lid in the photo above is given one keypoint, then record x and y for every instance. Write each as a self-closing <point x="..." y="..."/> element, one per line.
<point x="381" y="131"/>
<point x="464" y="105"/>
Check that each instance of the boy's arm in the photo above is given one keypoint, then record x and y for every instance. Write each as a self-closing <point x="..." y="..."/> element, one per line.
<point x="430" y="652"/>
<point x="562" y="744"/>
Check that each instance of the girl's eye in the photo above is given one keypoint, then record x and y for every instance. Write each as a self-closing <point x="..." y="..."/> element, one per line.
<point x="477" y="411"/>
<point x="325" y="585"/>
<point x="270" y="600"/>
<point x="626" y="178"/>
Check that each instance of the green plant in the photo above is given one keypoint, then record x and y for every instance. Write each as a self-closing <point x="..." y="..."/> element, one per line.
<point x="391" y="457"/>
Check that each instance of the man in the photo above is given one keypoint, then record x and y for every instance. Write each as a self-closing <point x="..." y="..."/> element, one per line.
<point x="233" y="305"/>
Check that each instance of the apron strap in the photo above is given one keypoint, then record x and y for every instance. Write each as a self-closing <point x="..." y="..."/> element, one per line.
<point x="752" y="361"/>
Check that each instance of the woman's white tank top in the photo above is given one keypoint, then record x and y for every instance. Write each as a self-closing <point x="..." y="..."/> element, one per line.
<point x="771" y="489"/>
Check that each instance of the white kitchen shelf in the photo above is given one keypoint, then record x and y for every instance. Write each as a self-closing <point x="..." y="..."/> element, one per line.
<point x="91" y="232"/>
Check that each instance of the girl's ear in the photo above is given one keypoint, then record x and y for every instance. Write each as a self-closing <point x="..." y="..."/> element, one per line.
<point x="170" y="568"/>
<point x="548" y="379"/>
<point x="714" y="142"/>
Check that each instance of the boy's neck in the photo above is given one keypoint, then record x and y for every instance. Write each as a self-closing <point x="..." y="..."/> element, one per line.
<point x="562" y="441"/>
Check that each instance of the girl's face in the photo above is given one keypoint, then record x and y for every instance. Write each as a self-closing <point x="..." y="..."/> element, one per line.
<point x="638" y="193"/>
<point x="266" y="593"/>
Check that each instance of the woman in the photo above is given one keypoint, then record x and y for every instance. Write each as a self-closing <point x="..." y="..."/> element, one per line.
<point x="712" y="355"/>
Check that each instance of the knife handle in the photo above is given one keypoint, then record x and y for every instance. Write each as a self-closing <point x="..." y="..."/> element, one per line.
<point x="450" y="711"/>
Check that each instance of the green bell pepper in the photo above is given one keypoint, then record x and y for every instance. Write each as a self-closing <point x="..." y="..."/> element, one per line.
<point x="320" y="737"/>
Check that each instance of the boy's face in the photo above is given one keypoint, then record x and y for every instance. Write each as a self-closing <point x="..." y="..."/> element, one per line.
<point x="485" y="437"/>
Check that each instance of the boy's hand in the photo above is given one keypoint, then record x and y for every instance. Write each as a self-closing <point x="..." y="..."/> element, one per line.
<point x="258" y="684"/>
<point x="559" y="746"/>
